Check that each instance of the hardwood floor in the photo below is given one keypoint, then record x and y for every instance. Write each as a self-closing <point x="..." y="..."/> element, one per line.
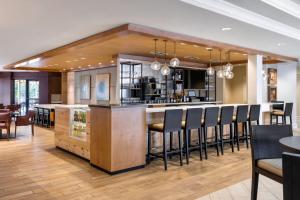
<point x="268" y="190"/>
<point x="32" y="168"/>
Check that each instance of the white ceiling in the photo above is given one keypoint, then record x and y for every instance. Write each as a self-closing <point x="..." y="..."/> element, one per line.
<point x="34" y="26"/>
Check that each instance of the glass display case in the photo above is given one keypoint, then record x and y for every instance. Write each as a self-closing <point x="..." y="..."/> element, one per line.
<point x="78" y="123"/>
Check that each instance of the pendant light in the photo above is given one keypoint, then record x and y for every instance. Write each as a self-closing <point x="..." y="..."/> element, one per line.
<point x="165" y="70"/>
<point x="210" y="71"/>
<point x="220" y="72"/>
<point x="174" y="62"/>
<point x="228" y="66"/>
<point x="155" y="65"/>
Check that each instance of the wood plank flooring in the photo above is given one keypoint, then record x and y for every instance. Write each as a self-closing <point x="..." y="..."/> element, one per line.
<point x="268" y="190"/>
<point x="32" y="168"/>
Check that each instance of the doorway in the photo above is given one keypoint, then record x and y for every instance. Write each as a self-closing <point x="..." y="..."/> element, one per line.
<point x="26" y="93"/>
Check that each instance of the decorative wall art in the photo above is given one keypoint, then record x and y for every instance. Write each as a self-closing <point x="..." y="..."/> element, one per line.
<point x="102" y="87"/>
<point x="85" y="87"/>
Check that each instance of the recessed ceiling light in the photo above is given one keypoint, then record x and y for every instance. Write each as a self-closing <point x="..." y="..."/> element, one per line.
<point x="281" y="44"/>
<point x="195" y="46"/>
<point x="112" y="61"/>
<point x="226" y="29"/>
<point x="34" y="60"/>
<point x="208" y="48"/>
<point x="67" y="61"/>
<point x="71" y="68"/>
<point x="64" y="69"/>
<point x="82" y="58"/>
<point x="244" y="54"/>
<point x="89" y="65"/>
<point x="182" y="43"/>
<point x="79" y="67"/>
<point x="100" y="63"/>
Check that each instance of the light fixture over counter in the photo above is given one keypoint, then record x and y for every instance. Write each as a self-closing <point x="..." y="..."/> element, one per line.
<point x="165" y="70"/>
<point x="155" y="65"/>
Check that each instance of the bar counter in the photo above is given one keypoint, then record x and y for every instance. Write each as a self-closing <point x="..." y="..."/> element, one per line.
<point x="115" y="136"/>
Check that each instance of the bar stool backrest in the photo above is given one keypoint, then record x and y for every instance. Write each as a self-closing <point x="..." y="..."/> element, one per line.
<point x="242" y="113"/>
<point x="254" y="112"/>
<point x="41" y="111"/>
<point x="193" y="118"/>
<point x="211" y="116"/>
<point x="288" y="109"/>
<point x="226" y="115"/>
<point x="172" y="121"/>
<point x="278" y="106"/>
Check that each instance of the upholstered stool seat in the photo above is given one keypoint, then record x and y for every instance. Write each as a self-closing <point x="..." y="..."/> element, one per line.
<point x="278" y="112"/>
<point x="272" y="165"/>
<point x="157" y="127"/>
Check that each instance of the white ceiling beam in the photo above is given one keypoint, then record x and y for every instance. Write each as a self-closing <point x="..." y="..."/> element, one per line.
<point x="238" y="13"/>
<point x="286" y="6"/>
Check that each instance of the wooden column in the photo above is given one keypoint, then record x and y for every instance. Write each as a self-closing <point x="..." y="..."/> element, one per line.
<point x="118" y="137"/>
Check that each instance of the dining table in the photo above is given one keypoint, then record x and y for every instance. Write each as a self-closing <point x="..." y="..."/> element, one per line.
<point x="291" y="144"/>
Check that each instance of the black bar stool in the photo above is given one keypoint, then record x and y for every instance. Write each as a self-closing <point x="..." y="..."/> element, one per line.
<point x="41" y="116"/>
<point x="172" y="123"/>
<point x="192" y="121"/>
<point x="46" y="118"/>
<point x="36" y="118"/>
<point x="241" y="117"/>
<point x="211" y="116"/>
<point x="288" y="109"/>
<point x="226" y="119"/>
<point x="254" y="116"/>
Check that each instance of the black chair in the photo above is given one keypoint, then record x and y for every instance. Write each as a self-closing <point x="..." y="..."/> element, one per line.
<point x="46" y="118"/>
<point x="279" y="105"/>
<point x="226" y="117"/>
<point x="41" y="116"/>
<point x="266" y="153"/>
<point x="288" y="110"/>
<point x="172" y="123"/>
<point x="254" y="116"/>
<point x="211" y="116"/>
<point x="36" y="118"/>
<point x="192" y="121"/>
<point x="291" y="176"/>
<point x="241" y="117"/>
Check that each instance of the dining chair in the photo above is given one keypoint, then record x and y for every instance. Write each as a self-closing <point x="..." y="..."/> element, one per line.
<point x="27" y="120"/>
<point x="266" y="153"/>
<point x="5" y="121"/>
<point x="291" y="176"/>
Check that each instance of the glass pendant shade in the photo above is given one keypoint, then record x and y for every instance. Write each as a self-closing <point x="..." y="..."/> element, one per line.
<point x="165" y="70"/>
<point x="220" y="74"/>
<point x="174" y="62"/>
<point x="230" y="75"/>
<point x="228" y="67"/>
<point x="155" y="65"/>
<point x="210" y="71"/>
<point x="226" y="73"/>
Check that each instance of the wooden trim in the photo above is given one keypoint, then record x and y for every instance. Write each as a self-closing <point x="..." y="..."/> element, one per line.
<point x="150" y="32"/>
<point x="154" y="32"/>
<point x="99" y="37"/>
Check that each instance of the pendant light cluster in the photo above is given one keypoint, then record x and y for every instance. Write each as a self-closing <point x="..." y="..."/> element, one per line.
<point x="165" y="69"/>
<point x="226" y="71"/>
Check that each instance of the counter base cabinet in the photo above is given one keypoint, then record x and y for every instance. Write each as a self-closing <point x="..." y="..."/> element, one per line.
<point x="118" y="138"/>
<point x="63" y="138"/>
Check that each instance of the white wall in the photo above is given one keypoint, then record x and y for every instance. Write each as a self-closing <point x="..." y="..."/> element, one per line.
<point x="287" y="84"/>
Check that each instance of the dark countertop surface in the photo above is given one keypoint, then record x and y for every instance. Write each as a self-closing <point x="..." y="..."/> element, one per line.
<point x="117" y="105"/>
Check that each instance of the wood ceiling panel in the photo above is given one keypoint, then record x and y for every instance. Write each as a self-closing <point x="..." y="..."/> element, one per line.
<point x="101" y="50"/>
